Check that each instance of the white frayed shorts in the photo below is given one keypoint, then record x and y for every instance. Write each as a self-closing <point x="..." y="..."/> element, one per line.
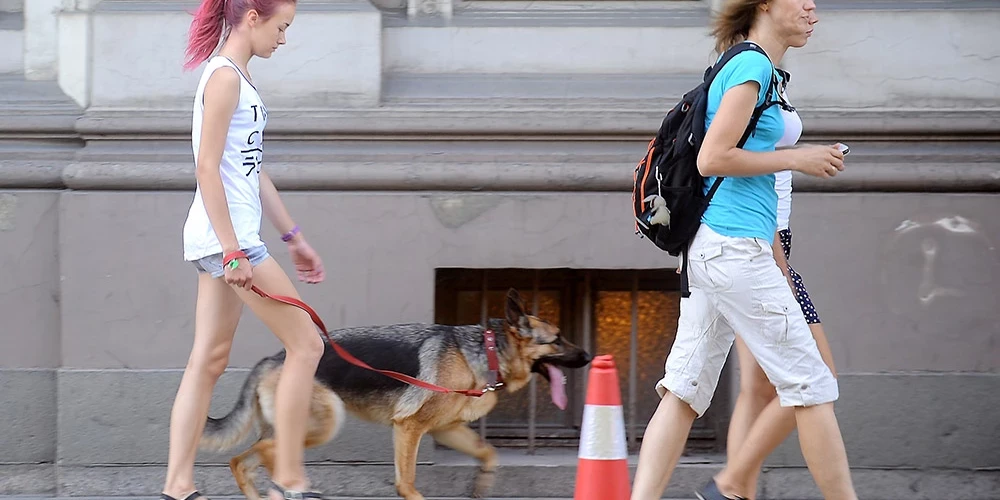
<point x="736" y="287"/>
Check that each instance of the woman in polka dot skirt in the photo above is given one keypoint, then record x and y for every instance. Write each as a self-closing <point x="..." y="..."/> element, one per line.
<point x="759" y="424"/>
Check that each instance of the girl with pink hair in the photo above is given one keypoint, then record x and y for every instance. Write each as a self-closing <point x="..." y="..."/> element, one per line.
<point x="222" y="240"/>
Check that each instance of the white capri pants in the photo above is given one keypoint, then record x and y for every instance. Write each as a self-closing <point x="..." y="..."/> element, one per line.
<point x="736" y="286"/>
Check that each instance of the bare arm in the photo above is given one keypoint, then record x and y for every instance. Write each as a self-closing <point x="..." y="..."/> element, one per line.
<point x="222" y="93"/>
<point x="779" y="258"/>
<point x="720" y="156"/>
<point x="274" y="208"/>
<point x="308" y="265"/>
<point x="779" y="254"/>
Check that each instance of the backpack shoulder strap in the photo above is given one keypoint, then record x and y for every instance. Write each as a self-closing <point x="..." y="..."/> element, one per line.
<point x="710" y="75"/>
<point x="759" y="111"/>
<point x="730" y="53"/>
<point x="713" y="71"/>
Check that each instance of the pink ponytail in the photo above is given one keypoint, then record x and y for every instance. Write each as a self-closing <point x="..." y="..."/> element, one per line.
<point x="206" y="31"/>
<point x="212" y="16"/>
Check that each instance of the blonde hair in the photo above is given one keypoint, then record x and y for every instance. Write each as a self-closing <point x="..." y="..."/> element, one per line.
<point x="733" y="22"/>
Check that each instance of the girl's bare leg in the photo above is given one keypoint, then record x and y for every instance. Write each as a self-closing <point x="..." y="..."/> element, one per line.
<point x="217" y="313"/>
<point x="756" y="392"/>
<point x="304" y="347"/>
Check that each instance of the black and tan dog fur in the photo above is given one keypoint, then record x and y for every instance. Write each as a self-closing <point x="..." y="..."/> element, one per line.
<point x="448" y="356"/>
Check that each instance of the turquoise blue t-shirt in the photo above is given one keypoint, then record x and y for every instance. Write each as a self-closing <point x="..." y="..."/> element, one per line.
<point x="746" y="207"/>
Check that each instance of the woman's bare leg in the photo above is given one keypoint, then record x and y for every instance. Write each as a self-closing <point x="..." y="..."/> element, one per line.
<point x="217" y="313"/>
<point x="662" y="446"/>
<point x="742" y="470"/>
<point x="756" y="392"/>
<point x="771" y="428"/>
<point x="304" y="347"/>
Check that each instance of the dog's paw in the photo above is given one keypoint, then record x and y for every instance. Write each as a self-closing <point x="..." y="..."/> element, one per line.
<point x="484" y="483"/>
<point x="408" y="492"/>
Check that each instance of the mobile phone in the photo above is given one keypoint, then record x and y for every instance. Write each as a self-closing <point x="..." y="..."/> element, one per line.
<point x="844" y="148"/>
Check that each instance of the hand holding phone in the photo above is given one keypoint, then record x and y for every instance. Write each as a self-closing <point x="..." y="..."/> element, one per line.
<point x="819" y="160"/>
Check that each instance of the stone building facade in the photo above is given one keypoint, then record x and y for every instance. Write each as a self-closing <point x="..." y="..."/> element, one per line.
<point x="433" y="149"/>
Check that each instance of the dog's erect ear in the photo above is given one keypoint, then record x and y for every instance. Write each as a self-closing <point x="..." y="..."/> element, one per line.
<point x="514" y="308"/>
<point x="512" y="294"/>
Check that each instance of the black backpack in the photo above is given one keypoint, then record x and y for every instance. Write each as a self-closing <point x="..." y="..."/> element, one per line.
<point x="668" y="196"/>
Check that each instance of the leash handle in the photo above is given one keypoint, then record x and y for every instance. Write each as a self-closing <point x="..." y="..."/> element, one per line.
<point x="350" y="358"/>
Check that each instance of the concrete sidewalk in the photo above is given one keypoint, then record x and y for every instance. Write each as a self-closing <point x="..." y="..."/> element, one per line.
<point x="547" y="475"/>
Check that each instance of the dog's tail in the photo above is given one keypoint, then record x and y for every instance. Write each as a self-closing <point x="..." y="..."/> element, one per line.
<point x="224" y="433"/>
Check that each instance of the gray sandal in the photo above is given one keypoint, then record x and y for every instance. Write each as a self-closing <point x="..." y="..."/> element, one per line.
<point x="294" y="495"/>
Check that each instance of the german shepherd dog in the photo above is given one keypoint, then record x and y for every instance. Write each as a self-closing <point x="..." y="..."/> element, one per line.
<point x="449" y="356"/>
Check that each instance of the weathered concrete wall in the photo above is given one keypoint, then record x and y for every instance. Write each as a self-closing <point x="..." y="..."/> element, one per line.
<point x="910" y="308"/>
<point x="29" y="279"/>
<point x="893" y="273"/>
<point x="30" y="327"/>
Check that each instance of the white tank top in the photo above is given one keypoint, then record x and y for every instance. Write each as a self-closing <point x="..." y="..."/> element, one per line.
<point x="240" y="169"/>
<point x="783" y="179"/>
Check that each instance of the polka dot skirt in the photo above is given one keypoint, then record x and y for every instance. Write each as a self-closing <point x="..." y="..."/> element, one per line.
<point x="801" y="294"/>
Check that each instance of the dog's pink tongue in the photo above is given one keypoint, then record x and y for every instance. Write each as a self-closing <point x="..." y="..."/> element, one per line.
<point x="558" y="386"/>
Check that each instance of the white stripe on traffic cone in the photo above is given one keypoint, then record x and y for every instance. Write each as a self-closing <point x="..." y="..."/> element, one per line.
<point x="602" y="436"/>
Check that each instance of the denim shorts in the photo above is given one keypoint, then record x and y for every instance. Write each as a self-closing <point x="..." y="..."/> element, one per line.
<point x="213" y="263"/>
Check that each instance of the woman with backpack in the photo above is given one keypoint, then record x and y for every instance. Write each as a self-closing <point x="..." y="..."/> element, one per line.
<point x="735" y="282"/>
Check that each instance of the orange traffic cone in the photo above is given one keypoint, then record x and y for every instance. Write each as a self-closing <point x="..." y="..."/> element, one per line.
<point x="602" y="464"/>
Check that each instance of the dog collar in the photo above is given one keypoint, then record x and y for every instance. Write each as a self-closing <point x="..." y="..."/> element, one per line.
<point x="493" y="378"/>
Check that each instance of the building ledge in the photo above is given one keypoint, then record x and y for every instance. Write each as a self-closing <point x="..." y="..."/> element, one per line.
<point x="35" y="109"/>
<point x="472" y="106"/>
<point x="582" y="119"/>
<point x="612" y="13"/>
<point x="488" y="14"/>
<point x="499" y="166"/>
<point x="11" y="21"/>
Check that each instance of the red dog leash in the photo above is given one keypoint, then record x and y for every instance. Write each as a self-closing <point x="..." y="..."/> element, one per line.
<point x="489" y="339"/>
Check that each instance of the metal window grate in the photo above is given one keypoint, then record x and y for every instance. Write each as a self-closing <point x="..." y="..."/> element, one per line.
<point x="631" y="314"/>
